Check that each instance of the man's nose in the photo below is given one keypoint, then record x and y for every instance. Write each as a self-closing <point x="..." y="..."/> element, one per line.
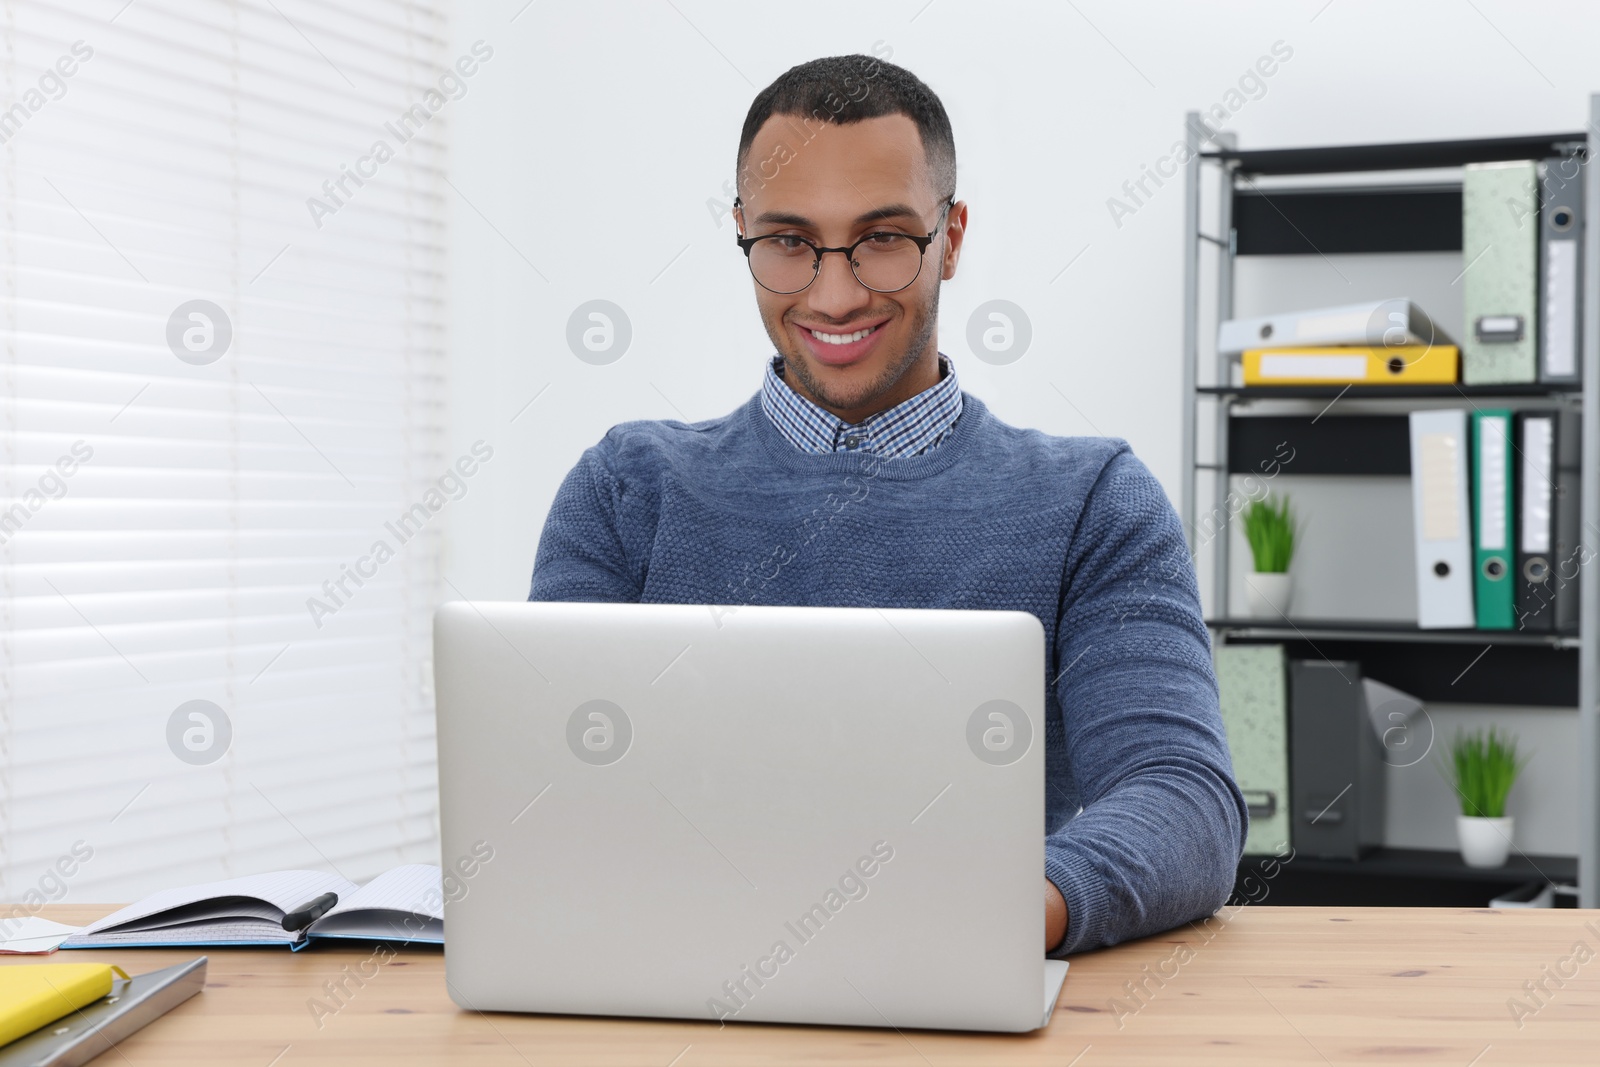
<point x="836" y="292"/>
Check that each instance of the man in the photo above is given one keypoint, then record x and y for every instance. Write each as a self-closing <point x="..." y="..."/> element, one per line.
<point x="862" y="475"/>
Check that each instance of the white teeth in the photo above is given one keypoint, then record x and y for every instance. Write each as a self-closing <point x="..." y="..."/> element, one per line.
<point x="841" y="338"/>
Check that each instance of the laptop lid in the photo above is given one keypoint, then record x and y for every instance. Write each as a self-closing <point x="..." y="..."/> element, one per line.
<point x="787" y="814"/>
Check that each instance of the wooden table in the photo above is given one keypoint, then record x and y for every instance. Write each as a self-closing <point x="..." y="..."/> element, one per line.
<point x="1262" y="985"/>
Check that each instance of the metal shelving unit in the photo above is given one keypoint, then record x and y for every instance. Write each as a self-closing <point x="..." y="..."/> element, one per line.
<point x="1401" y="877"/>
<point x="1389" y="392"/>
<point x="1363" y="212"/>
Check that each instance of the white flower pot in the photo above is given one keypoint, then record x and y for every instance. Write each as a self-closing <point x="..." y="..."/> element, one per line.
<point x="1484" y="842"/>
<point x="1269" y="594"/>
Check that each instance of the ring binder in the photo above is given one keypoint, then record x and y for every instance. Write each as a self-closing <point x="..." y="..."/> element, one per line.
<point x="1442" y="528"/>
<point x="1493" y="588"/>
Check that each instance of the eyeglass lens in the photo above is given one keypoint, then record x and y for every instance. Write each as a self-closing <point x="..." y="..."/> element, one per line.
<point x="885" y="262"/>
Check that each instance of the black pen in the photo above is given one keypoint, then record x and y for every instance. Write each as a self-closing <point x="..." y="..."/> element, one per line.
<point x="309" y="912"/>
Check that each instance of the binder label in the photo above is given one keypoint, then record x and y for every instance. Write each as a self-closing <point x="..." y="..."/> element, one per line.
<point x="1560" y="308"/>
<point x="1492" y="470"/>
<point x="1440" y="490"/>
<point x="1300" y="365"/>
<point x="1311" y="327"/>
<point x="1537" y="442"/>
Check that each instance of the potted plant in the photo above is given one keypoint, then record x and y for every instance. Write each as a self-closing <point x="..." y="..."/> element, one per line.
<point x="1269" y="527"/>
<point x="1482" y="768"/>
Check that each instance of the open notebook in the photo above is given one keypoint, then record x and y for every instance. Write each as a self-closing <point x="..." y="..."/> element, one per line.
<point x="403" y="904"/>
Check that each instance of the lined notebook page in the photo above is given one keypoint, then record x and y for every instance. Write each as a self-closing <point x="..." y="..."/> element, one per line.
<point x="417" y="888"/>
<point x="210" y="911"/>
<point x="284" y="890"/>
<point x="207" y="933"/>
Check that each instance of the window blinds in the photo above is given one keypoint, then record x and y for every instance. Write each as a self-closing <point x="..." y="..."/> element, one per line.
<point x="223" y="362"/>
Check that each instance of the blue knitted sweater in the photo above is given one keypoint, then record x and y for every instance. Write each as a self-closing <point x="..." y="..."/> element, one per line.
<point x="1075" y="530"/>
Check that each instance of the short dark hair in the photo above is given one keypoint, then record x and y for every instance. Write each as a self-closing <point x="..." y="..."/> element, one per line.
<point x="848" y="89"/>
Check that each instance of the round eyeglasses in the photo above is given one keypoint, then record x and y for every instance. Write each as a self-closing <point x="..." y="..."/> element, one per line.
<point x="885" y="261"/>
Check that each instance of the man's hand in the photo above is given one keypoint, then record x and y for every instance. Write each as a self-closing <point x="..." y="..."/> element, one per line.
<point x="1055" y="916"/>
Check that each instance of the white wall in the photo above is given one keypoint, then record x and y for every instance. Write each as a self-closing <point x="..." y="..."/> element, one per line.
<point x="590" y="146"/>
<point x="593" y="139"/>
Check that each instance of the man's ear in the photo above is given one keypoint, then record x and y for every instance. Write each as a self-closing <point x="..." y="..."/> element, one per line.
<point x="738" y="214"/>
<point x="955" y="231"/>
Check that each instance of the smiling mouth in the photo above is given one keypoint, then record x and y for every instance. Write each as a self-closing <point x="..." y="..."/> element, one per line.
<point x="837" y="348"/>
<point x="842" y="338"/>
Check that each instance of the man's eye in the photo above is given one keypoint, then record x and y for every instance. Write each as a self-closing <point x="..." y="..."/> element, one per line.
<point x="788" y="244"/>
<point x="886" y="239"/>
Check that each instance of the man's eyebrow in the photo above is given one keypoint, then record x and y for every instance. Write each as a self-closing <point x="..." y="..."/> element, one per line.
<point x="786" y="218"/>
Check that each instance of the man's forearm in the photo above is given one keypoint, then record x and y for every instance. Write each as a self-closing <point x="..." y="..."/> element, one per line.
<point x="1055" y="916"/>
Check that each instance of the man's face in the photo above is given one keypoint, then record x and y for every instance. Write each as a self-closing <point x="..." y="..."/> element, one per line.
<point x="846" y="182"/>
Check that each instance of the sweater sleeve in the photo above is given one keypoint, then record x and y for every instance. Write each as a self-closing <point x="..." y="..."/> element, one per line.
<point x="1162" y="828"/>
<point x="581" y="553"/>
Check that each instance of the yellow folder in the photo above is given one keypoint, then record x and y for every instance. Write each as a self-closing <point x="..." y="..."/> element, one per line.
<point x="37" y="995"/>
<point x="1354" y="364"/>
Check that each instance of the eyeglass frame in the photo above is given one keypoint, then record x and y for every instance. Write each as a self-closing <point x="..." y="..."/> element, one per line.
<point x="818" y="251"/>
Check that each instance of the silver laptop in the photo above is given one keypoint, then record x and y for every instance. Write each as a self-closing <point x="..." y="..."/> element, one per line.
<point x="799" y="815"/>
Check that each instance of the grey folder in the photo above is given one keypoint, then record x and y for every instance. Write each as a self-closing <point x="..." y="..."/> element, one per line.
<point x="1255" y="712"/>
<point x="1560" y="270"/>
<point x="1500" y="261"/>
<point x="1336" y="765"/>
<point x="1373" y="323"/>
<point x="132" y="1004"/>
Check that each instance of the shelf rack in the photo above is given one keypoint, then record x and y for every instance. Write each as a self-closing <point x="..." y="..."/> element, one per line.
<point x="1397" y="877"/>
<point x="1369" y="214"/>
<point x="1391" y="392"/>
